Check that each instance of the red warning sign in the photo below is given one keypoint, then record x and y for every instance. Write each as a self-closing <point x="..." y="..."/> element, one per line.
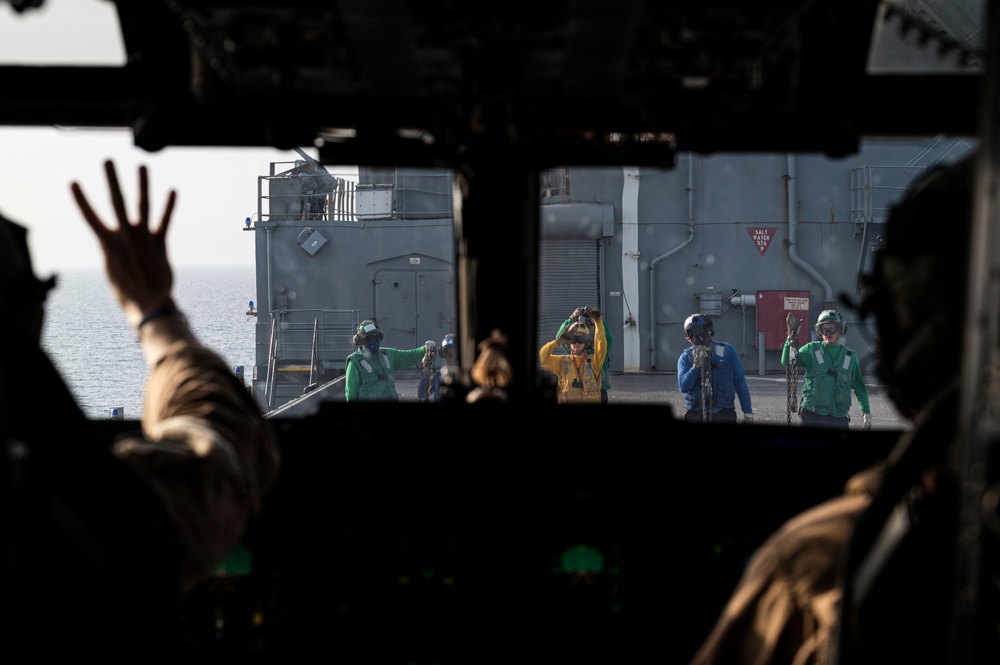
<point x="761" y="236"/>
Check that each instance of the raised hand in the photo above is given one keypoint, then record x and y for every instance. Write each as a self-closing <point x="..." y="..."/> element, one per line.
<point x="135" y="256"/>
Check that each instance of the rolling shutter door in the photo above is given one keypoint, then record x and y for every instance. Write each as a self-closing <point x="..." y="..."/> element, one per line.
<point x="568" y="277"/>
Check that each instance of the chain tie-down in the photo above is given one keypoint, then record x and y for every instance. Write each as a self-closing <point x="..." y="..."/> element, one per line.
<point x="703" y="360"/>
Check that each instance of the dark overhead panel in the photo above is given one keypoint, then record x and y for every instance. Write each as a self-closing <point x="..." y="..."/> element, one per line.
<point x="425" y="80"/>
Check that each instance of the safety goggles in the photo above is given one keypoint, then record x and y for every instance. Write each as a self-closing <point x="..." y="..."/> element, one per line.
<point x="694" y="330"/>
<point x="371" y="338"/>
<point x="580" y="339"/>
<point x="829" y="330"/>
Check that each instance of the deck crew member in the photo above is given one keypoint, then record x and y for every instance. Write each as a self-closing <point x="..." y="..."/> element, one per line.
<point x="606" y="369"/>
<point x="370" y="369"/>
<point x="578" y="374"/>
<point x="429" y="388"/>
<point x="711" y="376"/>
<point x="832" y="372"/>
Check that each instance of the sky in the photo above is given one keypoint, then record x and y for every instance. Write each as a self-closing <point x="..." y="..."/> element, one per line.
<point x="216" y="187"/>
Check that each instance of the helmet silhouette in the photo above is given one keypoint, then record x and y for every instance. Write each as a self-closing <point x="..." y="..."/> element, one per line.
<point x="448" y="346"/>
<point x="698" y="324"/>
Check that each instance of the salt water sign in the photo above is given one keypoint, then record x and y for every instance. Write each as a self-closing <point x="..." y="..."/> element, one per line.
<point x="761" y="236"/>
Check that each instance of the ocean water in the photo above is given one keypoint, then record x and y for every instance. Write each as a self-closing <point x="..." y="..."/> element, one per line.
<point x="86" y="335"/>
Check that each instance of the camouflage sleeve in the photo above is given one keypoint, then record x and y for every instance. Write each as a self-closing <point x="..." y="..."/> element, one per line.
<point x="206" y="450"/>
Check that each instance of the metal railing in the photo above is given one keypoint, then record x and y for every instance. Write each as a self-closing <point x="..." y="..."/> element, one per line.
<point x="310" y="193"/>
<point x="875" y="189"/>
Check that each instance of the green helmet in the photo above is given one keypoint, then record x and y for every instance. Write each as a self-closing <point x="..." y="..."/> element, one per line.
<point x="368" y="333"/>
<point x="831" y="316"/>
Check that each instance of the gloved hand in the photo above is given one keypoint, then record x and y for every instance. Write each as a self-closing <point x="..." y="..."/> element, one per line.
<point x="430" y="346"/>
<point x="594" y="313"/>
<point x="792" y="324"/>
<point x="866" y="422"/>
<point x="578" y="312"/>
<point x="567" y="335"/>
<point x="748" y="418"/>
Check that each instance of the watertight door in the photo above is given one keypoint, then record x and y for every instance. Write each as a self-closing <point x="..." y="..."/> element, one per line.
<point x="414" y="306"/>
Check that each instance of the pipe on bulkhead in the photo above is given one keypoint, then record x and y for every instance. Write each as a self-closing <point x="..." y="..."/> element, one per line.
<point x="792" y="203"/>
<point x="743" y="301"/>
<point x="661" y="257"/>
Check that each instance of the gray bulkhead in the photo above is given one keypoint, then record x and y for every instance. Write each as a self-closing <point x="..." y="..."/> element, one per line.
<point x="738" y="236"/>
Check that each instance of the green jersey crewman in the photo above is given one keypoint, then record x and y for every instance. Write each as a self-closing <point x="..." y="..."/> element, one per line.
<point x="832" y="371"/>
<point x="370" y="369"/>
<point x="610" y="340"/>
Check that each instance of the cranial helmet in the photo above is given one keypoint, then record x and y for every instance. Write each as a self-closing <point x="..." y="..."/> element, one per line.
<point x="368" y="333"/>
<point x="448" y="346"/>
<point x="831" y="316"/>
<point x="581" y="332"/>
<point x="698" y="324"/>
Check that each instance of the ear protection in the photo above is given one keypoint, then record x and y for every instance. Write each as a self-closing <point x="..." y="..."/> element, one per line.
<point x="366" y="328"/>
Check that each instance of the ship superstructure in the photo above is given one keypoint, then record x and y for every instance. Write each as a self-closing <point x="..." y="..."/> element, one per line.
<point x="335" y="248"/>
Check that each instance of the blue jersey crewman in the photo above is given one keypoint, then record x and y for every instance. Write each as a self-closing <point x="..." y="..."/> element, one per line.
<point x="713" y="367"/>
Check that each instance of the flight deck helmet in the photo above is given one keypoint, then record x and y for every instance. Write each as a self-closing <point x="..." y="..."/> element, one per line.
<point x="697" y="325"/>
<point x="368" y="333"/>
<point x="449" y="347"/>
<point x="828" y="316"/>
<point x="580" y="332"/>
